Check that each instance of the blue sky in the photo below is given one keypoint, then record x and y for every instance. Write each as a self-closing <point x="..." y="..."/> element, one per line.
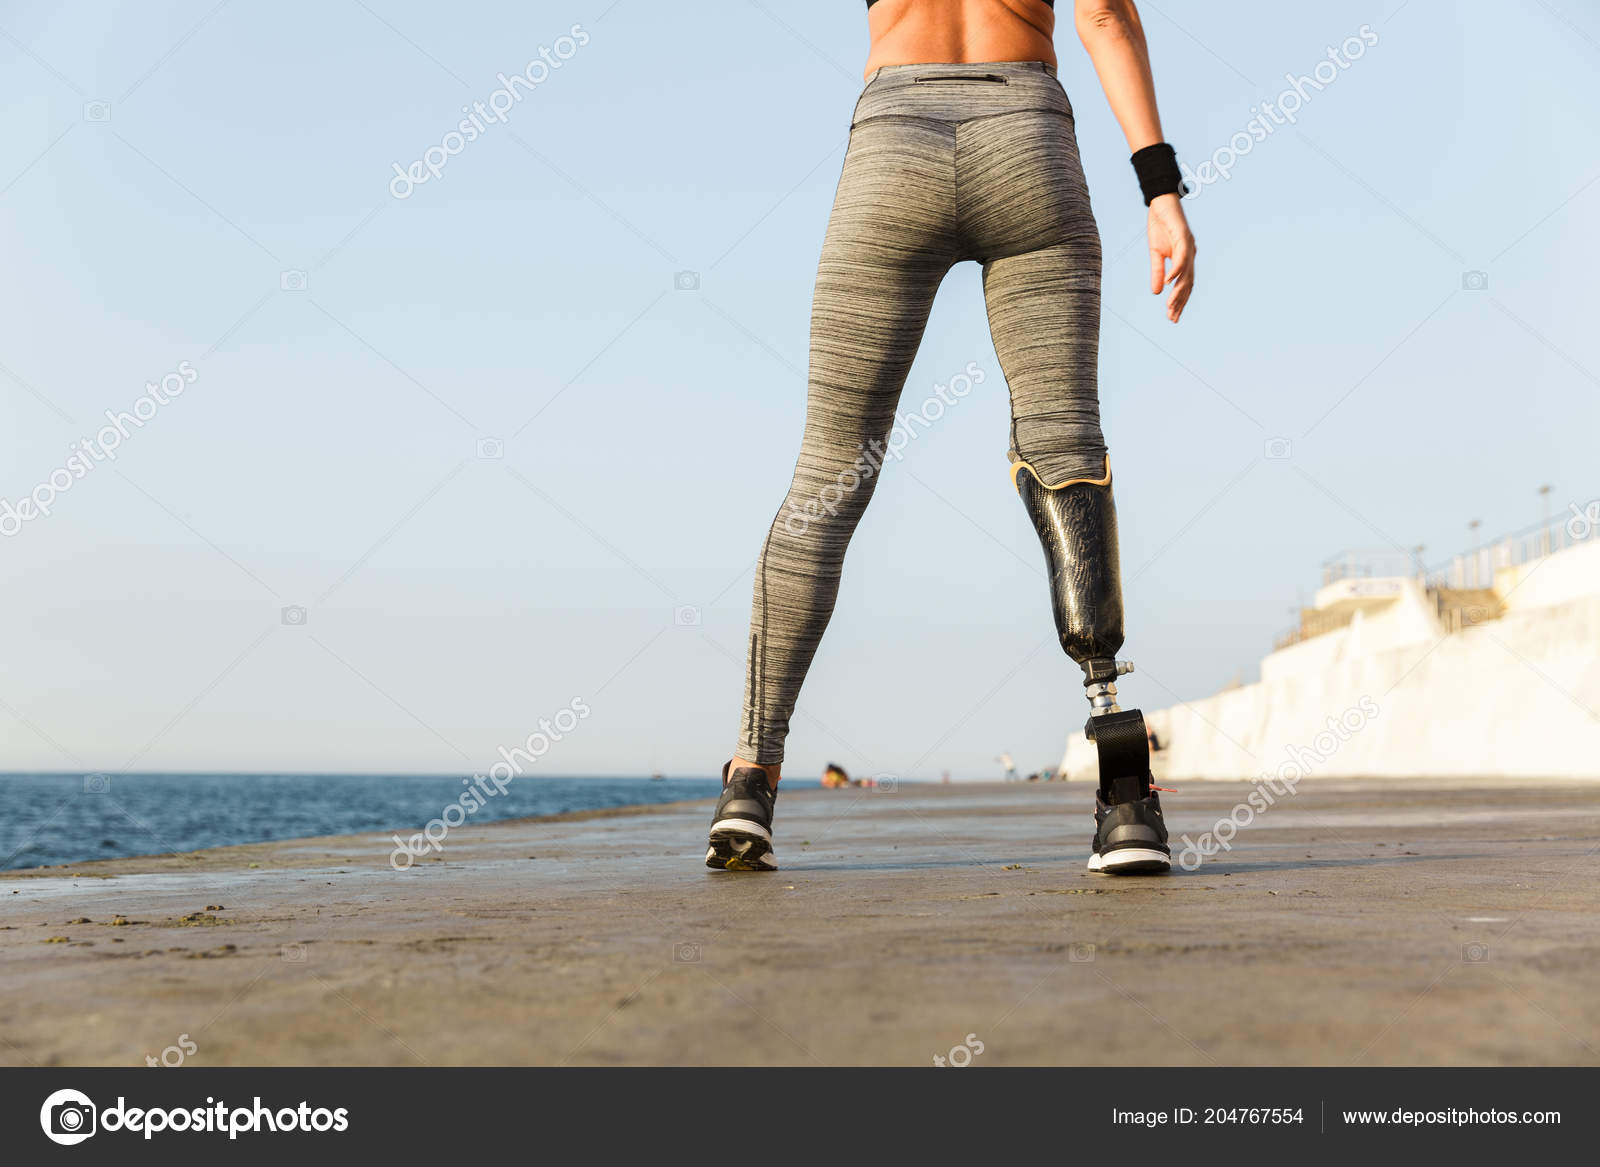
<point x="209" y="183"/>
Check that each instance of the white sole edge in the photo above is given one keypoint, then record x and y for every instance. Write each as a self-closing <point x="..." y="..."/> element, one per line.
<point x="1133" y="860"/>
<point x="767" y="862"/>
<point x="741" y="827"/>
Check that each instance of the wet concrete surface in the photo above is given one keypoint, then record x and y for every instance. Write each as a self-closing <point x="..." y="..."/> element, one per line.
<point x="1355" y="922"/>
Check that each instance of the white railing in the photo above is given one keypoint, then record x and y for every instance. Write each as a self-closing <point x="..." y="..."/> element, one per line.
<point x="1470" y="569"/>
<point x="1476" y="568"/>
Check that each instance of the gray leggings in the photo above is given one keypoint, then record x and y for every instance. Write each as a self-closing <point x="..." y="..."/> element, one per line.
<point x="945" y="163"/>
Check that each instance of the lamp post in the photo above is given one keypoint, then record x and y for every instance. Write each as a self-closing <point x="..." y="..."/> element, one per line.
<point x="1544" y="528"/>
<point x="1473" y="527"/>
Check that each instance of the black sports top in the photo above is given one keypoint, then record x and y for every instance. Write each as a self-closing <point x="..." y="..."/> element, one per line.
<point x="1048" y="3"/>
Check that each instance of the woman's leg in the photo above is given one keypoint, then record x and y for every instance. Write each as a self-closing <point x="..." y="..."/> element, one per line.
<point x="1044" y="313"/>
<point x="1044" y="317"/>
<point x="891" y="239"/>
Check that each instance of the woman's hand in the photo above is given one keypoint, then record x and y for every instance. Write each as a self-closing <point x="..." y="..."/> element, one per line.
<point x="1170" y="239"/>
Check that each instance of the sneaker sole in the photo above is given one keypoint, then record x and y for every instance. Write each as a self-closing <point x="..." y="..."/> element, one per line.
<point x="1131" y="861"/>
<point x="739" y="845"/>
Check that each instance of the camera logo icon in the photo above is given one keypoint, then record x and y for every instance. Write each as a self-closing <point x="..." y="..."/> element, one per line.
<point x="1474" y="281"/>
<point x="685" y="954"/>
<point x="68" y="1117"/>
<point x="1278" y="449"/>
<point x="490" y="448"/>
<point x="97" y="783"/>
<point x="294" y="614"/>
<point x="686" y="616"/>
<point x="1474" y="953"/>
<point x="97" y="111"/>
<point x="686" y="281"/>
<point x="1080" y="953"/>
<point x="293" y="280"/>
<point x="293" y="953"/>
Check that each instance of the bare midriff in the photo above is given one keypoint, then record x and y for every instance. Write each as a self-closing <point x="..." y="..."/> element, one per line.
<point x="922" y="32"/>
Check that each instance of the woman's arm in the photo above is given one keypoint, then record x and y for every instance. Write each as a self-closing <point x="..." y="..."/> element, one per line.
<point x="1111" y="32"/>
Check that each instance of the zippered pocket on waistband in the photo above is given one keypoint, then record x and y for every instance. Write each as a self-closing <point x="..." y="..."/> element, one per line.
<point x="991" y="78"/>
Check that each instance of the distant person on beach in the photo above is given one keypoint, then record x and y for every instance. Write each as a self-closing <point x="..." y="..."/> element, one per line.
<point x="962" y="147"/>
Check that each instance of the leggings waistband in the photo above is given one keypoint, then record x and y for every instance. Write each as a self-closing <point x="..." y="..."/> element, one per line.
<point x="958" y="92"/>
<point x="1001" y="68"/>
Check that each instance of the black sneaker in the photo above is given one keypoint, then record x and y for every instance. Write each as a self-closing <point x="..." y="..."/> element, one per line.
<point x="1130" y="838"/>
<point x="741" y="829"/>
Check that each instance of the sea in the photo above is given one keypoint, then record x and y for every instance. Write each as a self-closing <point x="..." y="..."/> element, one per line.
<point x="55" y="819"/>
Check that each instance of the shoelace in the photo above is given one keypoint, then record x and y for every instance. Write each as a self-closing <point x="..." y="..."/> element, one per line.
<point x="1153" y="788"/>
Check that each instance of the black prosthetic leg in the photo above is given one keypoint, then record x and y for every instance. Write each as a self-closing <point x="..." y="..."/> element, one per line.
<point x="1077" y="524"/>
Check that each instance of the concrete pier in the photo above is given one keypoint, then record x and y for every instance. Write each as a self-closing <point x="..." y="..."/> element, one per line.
<point x="1352" y="923"/>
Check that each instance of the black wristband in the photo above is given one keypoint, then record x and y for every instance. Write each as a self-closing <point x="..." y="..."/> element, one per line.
<point x="1157" y="168"/>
